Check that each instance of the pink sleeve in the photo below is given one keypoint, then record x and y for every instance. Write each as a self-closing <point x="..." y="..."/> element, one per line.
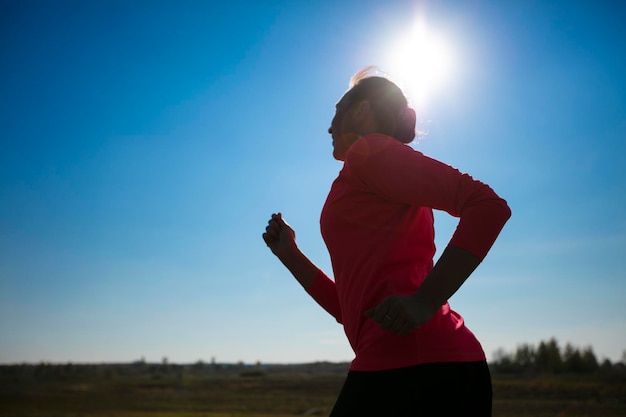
<point x="401" y="174"/>
<point x="323" y="291"/>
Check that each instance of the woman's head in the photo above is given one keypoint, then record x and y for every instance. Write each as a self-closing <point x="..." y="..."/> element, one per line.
<point x="374" y="104"/>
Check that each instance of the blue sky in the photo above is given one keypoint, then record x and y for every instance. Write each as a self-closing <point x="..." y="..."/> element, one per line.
<point x="145" y="144"/>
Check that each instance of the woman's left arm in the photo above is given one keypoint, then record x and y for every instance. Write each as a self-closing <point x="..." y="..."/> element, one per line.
<point x="401" y="314"/>
<point x="403" y="175"/>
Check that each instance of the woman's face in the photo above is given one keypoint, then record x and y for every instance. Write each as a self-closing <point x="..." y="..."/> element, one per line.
<point x="342" y="128"/>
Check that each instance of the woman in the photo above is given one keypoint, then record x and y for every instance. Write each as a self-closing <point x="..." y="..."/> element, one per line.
<point x="414" y="355"/>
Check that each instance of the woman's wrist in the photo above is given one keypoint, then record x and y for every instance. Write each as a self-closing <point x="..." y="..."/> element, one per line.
<point x="300" y="267"/>
<point x="452" y="269"/>
<point x="290" y="256"/>
<point x="429" y="302"/>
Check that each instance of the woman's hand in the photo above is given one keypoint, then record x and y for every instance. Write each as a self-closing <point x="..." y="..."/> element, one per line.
<point x="401" y="314"/>
<point x="280" y="237"/>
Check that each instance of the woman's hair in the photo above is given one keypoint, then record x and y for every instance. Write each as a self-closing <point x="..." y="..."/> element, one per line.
<point x="391" y="108"/>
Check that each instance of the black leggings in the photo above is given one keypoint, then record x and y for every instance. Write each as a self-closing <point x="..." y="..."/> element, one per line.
<point x="434" y="389"/>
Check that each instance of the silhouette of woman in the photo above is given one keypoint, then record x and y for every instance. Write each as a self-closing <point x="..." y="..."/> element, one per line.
<point x="413" y="353"/>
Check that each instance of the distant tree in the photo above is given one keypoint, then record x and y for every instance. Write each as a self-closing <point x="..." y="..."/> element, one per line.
<point x="589" y="361"/>
<point x="42" y="369"/>
<point x="548" y="357"/>
<point x="503" y="361"/>
<point x="525" y="356"/>
<point x="572" y="359"/>
<point x="606" y="366"/>
<point x="579" y="362"/>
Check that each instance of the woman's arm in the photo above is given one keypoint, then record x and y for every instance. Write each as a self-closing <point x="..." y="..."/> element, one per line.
<point x="402" y="175"/>
<point x="401" y="314"/>
<point x="281" y="239"/>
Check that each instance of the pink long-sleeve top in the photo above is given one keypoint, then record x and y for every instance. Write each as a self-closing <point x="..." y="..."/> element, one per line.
<point x="377" y="223"/>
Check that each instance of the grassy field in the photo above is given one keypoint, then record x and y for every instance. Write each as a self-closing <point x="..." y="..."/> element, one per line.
<point x="184" y="394"/>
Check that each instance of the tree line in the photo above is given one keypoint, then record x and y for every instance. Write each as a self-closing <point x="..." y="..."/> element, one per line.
<point x="549" y="357"/>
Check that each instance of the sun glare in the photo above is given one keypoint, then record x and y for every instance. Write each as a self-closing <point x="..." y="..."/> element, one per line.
<point x="421" y="62"/>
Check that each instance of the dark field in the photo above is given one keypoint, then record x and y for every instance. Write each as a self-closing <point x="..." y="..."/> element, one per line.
<point x="193" y="391"/>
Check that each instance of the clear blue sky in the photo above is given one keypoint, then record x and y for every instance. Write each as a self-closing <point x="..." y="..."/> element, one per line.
<point x="143" y="146"/>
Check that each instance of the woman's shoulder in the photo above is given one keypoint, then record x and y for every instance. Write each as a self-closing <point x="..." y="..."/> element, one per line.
<point x="378" y="146"/>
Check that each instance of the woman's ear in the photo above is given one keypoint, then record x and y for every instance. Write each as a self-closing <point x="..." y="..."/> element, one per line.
<point x="362" y="114"/>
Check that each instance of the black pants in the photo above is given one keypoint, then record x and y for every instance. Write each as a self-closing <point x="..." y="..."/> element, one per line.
<point x="434" y="389"/>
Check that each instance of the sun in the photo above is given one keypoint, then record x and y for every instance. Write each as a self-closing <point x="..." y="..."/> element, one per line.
<point x="420" y="61"/>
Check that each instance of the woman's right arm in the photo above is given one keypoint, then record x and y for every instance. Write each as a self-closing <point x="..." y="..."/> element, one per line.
<point x="281" y="239"/>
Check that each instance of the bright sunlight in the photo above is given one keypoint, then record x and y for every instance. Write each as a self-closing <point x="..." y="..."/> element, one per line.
<point x="421" y="62"/>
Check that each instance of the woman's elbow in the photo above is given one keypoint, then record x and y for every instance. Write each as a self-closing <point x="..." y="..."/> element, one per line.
<point x="506" y="210"/>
